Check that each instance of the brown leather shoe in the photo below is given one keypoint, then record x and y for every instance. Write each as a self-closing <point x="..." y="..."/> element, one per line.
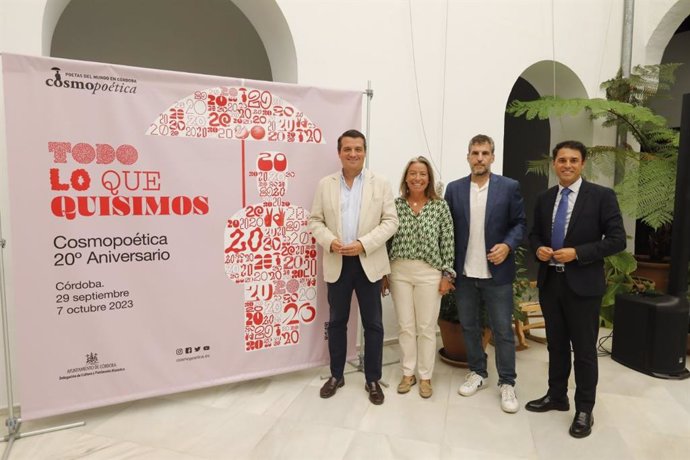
<point x="425" y="390"/>
<point x="331" y="386"/>
<point x="406" y="383"/>
<point x="375" y="392"/>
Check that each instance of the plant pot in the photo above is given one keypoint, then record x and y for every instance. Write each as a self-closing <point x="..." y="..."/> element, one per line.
<point x="655" y="271"/>
<point x="454" y="351"/>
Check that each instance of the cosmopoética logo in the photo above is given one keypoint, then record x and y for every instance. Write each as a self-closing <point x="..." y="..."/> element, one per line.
<point x="91" y="83"/>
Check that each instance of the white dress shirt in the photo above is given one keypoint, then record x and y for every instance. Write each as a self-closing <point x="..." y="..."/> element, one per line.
<point x="476" y="265"/>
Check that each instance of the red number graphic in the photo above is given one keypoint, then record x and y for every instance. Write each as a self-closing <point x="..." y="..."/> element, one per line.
<point x="292" y="306"/>
<point x="256" y="236"/>
<point x="237" y="234"/>
<point x="310" y="312"/>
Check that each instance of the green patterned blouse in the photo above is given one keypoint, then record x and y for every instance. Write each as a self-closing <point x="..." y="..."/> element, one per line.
<point x="427" y="236"/>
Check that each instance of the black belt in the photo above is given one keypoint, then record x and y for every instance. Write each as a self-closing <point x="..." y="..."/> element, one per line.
<point x="557" y="268"/>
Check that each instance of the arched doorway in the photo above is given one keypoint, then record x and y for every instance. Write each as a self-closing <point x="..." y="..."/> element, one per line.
<point x="526" y="140"/>
<point x="218" y="37"/>
<point x="676" y="51"/>
<point x="669" y="43"/>
<point x="664" y="31"/>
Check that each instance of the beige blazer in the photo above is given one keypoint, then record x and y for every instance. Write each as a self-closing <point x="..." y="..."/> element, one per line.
<point x="378" y="221"/>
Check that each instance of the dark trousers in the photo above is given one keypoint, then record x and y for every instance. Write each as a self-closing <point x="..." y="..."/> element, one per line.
<point x="571" y="319"/>
<point x="352" y="278"/>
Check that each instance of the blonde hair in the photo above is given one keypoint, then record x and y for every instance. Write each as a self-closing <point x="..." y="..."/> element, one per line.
<point x="430" y="191"/>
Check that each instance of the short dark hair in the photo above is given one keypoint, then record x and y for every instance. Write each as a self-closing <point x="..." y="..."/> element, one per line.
<point x="481" y="139"/>
<point x="354" y="134"/>
<point x="430" y="191"/>
<point x="573" y="145"/>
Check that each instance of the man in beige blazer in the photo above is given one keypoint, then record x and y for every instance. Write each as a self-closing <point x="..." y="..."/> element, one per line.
<point x="352" y="217"/>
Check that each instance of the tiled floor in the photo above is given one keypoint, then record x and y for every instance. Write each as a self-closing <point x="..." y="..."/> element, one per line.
<point x="282" y="417"/>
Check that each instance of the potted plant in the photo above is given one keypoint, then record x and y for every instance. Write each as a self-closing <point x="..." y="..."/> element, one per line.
<point x="454" y="351"/>
<point x="523" y="294"/>
<point x="522" y="286"/>
<point x="619" y="270"/>
<point x="646" y="191"/>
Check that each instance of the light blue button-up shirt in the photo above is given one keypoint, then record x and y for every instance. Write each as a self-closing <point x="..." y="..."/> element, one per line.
<point x="350" y="205"/>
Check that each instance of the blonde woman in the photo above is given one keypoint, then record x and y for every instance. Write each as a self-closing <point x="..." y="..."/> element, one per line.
<point x="422" y="253"/>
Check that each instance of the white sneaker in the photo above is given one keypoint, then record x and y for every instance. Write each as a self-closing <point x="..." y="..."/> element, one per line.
<point x="473" y="382"/>
<point x="509" y="402"/>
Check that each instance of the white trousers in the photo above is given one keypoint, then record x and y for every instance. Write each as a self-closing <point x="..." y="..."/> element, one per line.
<point x="414" y="287"/>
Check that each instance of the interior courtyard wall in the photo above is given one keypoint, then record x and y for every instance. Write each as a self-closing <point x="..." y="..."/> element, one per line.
<point x="467" y="56"/>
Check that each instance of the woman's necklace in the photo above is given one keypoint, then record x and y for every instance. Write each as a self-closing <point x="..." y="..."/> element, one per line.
<point x="417" y="205"/>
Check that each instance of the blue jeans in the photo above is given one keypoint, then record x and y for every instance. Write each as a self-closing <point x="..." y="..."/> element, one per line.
<point x="498" y="299"/>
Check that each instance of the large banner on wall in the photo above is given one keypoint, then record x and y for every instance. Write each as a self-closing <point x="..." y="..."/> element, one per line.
<point x="159" y="238"/>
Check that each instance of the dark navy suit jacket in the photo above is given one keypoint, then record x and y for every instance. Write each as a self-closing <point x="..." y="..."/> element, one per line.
<point x="504" y="222"/>
<point x="595" y="230"/>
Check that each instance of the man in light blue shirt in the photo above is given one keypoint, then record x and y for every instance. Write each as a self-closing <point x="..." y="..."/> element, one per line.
<point x="350" y="202"/>
<point x="352" y="217"/>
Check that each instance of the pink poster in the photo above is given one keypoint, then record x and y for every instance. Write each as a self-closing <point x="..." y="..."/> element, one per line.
<point x="158" y="220"/>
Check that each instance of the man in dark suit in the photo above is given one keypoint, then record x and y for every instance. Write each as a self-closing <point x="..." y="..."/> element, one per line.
<point x="489" y="223"/>
<point x="576" y="225"/>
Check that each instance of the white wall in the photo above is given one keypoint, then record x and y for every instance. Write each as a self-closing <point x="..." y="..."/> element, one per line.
<point x="488" y="47"/>
<point x="468" y="54"/>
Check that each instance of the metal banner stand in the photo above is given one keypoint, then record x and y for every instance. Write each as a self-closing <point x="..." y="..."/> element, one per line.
<point x="358" y="364"/>
<point x="13" y="422"/>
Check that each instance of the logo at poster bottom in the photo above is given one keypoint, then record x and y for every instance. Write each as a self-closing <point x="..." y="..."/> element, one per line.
<point x="91" y="366"/>
<point x="191" y="353"/>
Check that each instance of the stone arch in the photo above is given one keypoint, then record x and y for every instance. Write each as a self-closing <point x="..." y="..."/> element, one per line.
<point x="535" y="81"/>
<point x="664" y="30"/>
<point x="541" y="76"/>
<point x="264" y="50"/>
<point x="668" y="42"/>
<point x="675" y="51"/>
<point x="526" y="140"/>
